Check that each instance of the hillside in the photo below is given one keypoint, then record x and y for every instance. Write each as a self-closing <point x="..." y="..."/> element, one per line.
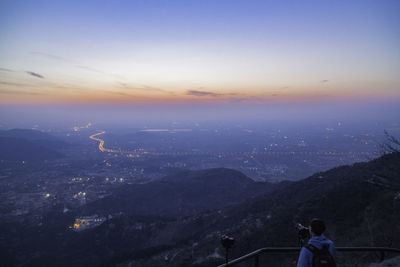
<point x="361" y="204"/>
<point x="36" y="137"/>
<point x="181" y="194"/>
<point x="18" y="149"/>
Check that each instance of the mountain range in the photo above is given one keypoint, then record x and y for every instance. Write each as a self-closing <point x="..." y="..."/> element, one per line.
<point x="192" y="209"/>
<point x="29" y="145"/>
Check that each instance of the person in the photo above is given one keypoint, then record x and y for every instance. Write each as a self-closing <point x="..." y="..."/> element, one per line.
<point x="316" y="244"/>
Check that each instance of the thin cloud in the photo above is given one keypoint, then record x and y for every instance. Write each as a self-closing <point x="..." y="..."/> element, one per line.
<point x="324" y="81"/>
<point x="58" y="58"/>
<point x="73" y="62"/>
<point x="151" y="88"/>
<point x="77" y="64"/>
<point x="237" y="100"/>
<point x="124" y="94"/>
<point x="50" y="56"/>
<point x="111" y="92"/>
<point x="4" y="69"/>
<point x="201" y="93"/>
<point x="232" y="94"/>
<point x="94" y="70"/>
<point x="34" y="74"/>
<point x="12" y="92"/>
<point x="91" y="69"/>
<point x="13" y="83"/>
<point x="249" y="99"/>
<point x="156" y="89"/>
<point x="143" y="88"/>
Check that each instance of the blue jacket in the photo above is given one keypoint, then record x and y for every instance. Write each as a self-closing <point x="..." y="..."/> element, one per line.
<point x="306" y="256"/>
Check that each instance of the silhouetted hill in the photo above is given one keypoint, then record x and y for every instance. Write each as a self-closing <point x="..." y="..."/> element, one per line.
<point x="360" y="204"/>
<point x="181" y="194"/>
<point x="26" y="134"/>
<point x="18" y="149"/>
<point x="36" y="137"/>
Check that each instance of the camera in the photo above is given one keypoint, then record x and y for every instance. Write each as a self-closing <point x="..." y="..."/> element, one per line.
<point x="227" y="242"/>
<point x="304" y="232"/>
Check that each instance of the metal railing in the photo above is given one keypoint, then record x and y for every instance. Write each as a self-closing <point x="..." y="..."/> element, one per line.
<point x="275" y="250"/>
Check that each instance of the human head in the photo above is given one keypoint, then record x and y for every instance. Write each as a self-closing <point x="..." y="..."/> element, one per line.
<point x="317" y="227"/>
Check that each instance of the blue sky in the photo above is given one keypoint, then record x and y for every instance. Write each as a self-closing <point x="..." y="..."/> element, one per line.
<point x="205" y="51"/>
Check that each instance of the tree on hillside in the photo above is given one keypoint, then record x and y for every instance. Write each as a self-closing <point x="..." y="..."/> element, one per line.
<point x="392" y="144"/>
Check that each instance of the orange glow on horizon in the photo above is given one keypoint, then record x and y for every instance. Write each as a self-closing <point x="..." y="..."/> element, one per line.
<point x="85" y="96"/>
<point x="184" y="99"/>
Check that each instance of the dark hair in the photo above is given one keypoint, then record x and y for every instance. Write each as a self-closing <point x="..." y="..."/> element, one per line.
<point x="317" y="226"/>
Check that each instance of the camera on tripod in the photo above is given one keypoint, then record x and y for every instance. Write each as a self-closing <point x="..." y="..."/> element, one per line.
<point x="303" y="232"/>
<point x="227" y="242"/>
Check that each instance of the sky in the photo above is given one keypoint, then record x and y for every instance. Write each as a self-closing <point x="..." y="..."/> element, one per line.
<point x="198" y="51"/>
<point x="307" y="57"/>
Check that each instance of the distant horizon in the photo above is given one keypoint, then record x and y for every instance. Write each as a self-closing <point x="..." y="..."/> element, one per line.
<point x="368" y="113"/>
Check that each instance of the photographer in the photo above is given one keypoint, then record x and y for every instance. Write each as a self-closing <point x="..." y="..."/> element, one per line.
<point x="319" y="251"/>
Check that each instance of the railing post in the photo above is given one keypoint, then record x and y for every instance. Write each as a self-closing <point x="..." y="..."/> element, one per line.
<point x="226" y="257"/>
<point x="257" y="261"/>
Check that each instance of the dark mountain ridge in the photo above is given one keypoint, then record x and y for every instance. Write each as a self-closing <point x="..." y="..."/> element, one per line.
<point x="360" y="203"/>
<point x="18" y="149"/>
<point x="29" y="145"/>
<point x="181" y="194"/>
<point x="36" y="137"/>
<point x="26" y="134"/>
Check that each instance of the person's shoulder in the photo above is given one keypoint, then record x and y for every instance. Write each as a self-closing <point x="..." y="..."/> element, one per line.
<point x="329" y="241"/>
<point x="330" y="244"/>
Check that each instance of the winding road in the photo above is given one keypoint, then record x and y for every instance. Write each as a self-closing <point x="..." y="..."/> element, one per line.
<point x="101" y="142"/>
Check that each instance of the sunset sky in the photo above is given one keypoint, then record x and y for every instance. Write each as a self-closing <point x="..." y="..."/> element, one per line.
<point x="198" y="51"/>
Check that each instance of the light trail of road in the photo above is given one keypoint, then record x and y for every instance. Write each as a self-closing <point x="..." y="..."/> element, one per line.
<point x="103" y="149"/>
<point x="101" y="143"/>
